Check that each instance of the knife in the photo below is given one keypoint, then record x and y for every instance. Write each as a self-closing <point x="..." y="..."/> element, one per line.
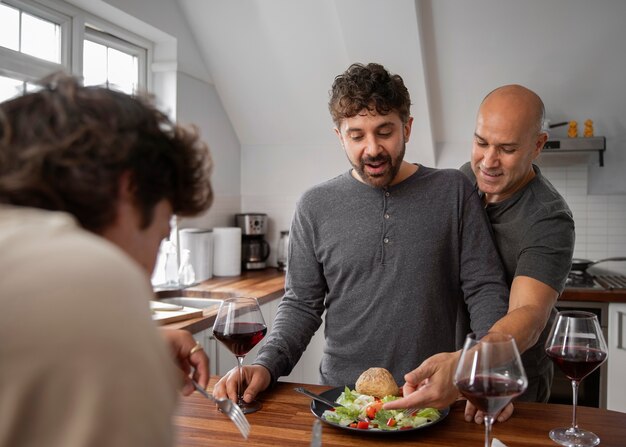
<point x="317" y="397"/>
<point x="316" y="437"/>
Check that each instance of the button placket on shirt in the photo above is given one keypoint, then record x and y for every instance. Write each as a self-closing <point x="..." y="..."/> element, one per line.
<point x="386" y="217"/>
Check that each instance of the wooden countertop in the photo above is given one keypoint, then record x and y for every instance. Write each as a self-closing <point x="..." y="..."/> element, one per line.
<point x="286" y="419"/>
<point x="264" y="285"/>
<point x="600" y="296"/>
<point x="269" y="284"/>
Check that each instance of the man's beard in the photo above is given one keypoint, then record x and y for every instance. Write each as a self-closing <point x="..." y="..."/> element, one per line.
<point x="385" y="178"/>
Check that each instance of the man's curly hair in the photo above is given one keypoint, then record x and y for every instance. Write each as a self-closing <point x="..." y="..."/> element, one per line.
<point x="65" y="148"/>
<point x="369" y="87"/>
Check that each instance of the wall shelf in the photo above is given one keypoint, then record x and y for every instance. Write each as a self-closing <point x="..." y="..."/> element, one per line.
<point x="582" y="144"/>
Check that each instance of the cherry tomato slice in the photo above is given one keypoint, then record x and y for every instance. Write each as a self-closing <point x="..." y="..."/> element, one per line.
<point x="363" y="425"/>
<point x="372" y="409"/>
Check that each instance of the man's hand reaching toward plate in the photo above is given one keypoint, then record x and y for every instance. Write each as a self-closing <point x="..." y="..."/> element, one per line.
<point x="431" y="385"/>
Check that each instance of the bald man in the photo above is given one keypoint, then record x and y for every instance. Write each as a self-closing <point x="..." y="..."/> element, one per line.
<point x="534" y="232"/>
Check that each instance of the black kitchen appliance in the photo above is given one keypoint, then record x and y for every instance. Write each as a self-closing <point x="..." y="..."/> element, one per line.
<point x="254" y="248"/>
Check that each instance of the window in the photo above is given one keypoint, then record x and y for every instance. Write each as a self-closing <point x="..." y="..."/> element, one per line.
<point x="110" y="61"/>
<point x="10" y="87"/>
<point x="39" y="37"/>
<point x="30" y="34"/>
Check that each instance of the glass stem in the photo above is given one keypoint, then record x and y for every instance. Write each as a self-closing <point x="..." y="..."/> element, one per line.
<point x="574" y="404"/>
<point x="240" y="401"/>
<point x="488" y="423"/>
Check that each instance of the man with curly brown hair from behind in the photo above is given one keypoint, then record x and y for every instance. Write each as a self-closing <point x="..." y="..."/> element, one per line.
<point x="89" y="178"/>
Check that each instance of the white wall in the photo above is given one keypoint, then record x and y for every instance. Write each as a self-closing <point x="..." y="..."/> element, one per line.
<point x="571" y="52"/>
<point x="182" y="77"/>
<point x="199" y="103"/>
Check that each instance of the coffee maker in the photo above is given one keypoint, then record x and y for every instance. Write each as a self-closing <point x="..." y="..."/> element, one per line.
<point x="254" y="248"/>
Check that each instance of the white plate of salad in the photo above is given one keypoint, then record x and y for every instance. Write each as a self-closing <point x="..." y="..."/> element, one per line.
<point x="364" y="413"/>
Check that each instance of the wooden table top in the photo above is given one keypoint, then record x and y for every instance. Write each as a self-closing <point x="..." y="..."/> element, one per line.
<point x="286" y="419"/>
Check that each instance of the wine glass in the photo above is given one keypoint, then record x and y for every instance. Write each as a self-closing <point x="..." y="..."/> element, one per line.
<point x="490" y="374"/>
<point x="577" y="346"/>
<point x="240" y="326"/>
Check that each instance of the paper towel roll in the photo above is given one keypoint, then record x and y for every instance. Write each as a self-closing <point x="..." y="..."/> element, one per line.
<point x="199" y="242"/>
<point x="226" y="251"/>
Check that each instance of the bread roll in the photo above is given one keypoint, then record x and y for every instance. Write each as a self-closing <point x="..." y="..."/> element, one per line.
<point x="377" y="382"/>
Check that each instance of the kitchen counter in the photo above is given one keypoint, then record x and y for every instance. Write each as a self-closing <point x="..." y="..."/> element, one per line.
<point x="286" y="419"/>
<point x="269" y="284"/>
<point x="264" y="285"/>
<point x="595" y="295"/>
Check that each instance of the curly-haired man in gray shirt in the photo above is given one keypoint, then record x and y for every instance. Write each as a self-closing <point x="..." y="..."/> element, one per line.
<point x="387" y="250"/>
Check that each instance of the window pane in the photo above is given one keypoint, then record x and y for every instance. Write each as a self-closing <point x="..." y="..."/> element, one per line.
<point x="31" y="88"/>
<point x="9" y="28"/>
<point x="94" y="63"/>
<point x="10" y="88"/>
<point x="122" y="71"/>
<point x="41" y="38"/>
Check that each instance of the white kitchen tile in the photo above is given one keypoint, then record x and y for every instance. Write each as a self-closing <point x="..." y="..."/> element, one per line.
<point x="597" y="239"/>
<point x="597" y="207"/>
<point x="616" y="215"/>
<point x="598" y="199"/>
<point x="618" y="201"/>
<point x="596" y="223"/>
<point x="614" y="231"/>
<point x="576" y="190"/>
<point x="595" y="253"/>
<point x="575" y="175"/>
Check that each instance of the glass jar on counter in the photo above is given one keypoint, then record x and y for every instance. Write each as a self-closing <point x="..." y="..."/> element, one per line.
<point x="283" y="249"/>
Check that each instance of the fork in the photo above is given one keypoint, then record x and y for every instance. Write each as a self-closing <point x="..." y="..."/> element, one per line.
<point x="409" y="411"/>
<point x="229" y="409"/>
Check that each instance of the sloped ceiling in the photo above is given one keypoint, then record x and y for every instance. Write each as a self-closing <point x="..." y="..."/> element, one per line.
<point x="273" y="62"/>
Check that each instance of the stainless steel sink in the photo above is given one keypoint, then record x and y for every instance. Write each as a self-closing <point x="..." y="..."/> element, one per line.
<point x="196" y="303"/>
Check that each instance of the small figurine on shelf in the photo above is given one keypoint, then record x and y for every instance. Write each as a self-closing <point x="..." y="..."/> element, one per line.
<point x="588" y="132"/>
<point x="572" y="132"/>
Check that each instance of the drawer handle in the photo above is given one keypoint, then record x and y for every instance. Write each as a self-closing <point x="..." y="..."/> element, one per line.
<point x="620" y="329"/>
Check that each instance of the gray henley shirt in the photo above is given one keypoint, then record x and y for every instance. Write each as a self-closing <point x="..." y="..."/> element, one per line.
<point x="388" y="266"/>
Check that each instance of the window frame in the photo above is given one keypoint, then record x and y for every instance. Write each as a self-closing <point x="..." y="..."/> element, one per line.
<point x="91" y="32"/>
<point x="30" y="68"/>
<point x="76" y="25"/>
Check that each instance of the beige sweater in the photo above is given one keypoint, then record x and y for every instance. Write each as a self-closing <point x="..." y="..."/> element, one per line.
<point x="81" y="362"/>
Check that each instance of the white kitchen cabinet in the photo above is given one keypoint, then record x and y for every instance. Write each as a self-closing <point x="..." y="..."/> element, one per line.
<point x="616" y="396"/>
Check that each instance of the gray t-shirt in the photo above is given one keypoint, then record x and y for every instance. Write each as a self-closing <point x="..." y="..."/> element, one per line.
<point x="389" y="267"/>
<point x="534" y="231"/>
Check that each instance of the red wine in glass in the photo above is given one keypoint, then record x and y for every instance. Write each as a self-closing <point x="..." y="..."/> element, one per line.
<point x="490" y="394"/>
<point x="490" y="373"/>
<point x="242" y="337"/>
<point x="577" y="346"/>
<point x="576" y="362"/>
<point x="239" y="325"/>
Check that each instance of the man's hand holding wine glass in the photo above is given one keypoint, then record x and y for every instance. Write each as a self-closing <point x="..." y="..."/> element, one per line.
<point x="239" y="325"/>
